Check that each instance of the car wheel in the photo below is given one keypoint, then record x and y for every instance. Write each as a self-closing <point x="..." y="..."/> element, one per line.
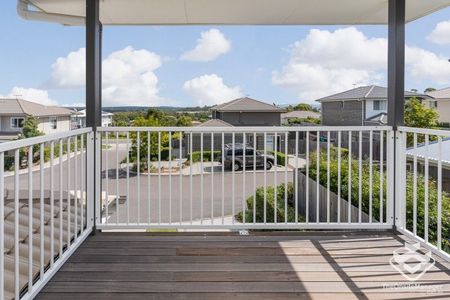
<point x="237" y="166"/>
<point x="269" y="165"/>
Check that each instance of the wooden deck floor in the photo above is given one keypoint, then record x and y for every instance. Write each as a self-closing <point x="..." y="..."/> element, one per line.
<point x="260" y="266"/>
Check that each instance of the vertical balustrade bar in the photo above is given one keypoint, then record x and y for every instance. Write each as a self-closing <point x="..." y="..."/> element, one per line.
<point x="201" y="178"/>
<point x="415" y="184"/>
<point x="275" y="178"/>
<point x="181" y="178"/>
<point x="107" y="178"/>
<point x="296" y="178"/>
<point x="254" y="177"/>
<point x="159" y="177"/>
<point x="426" y="220"/>
<point x="68" y="190"/>
<point x="212" y="178"/>
<point x="149" y="188"/>
<point x="30" y="216"/>
<point x="223" y="177"/>
<point x="233" y="164"/>
<point x="381" y="176"/>
<point x="117" y="178"/>
<point x="370" y="174"/>
<point x="243" y="176"/>
<point x="83" y="182"/>
<point x="349" y="200"/>
<point x="170" y="177"/>
<point x="2" y="227"/>
<point x="439" y="204"/>
<point x="52" y="205"/>
<point x="16" y="224"/>
<point x="317" y="177"/>
<point x="138" y="171"/>
<point x="328" y="175"/>
<point x="128" y="183"/>
<point x="265" y="178"/>
<point x="61" y="212"/>
<point x="41" y="198"/>
<point x="190" y="177"/>
<point x="339" y="178"/>
<point x="307" y="179"/>
<point x="285" y="177"/>
<point x="360" y="178"/>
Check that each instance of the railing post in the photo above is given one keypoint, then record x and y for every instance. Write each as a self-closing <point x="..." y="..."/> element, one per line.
<point x="90" y="184"/>
<point x="390" y="182"/>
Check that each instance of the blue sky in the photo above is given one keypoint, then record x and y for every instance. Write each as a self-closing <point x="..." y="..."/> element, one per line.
<point x="160" y="65"/>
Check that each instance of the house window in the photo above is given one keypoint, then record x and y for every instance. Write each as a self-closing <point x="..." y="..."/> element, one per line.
<point x="433" y="104"/>
<point x="17" y="122"/>
<point x="379" y="105"/>
<point x="53" y="123"/>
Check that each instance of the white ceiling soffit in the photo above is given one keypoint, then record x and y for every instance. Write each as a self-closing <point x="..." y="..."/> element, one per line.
<point x="270" y="12"/>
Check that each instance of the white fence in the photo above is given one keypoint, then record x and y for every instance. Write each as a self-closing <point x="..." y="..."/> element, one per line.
<point x="190" y="191"/>
<point x="43" y="211"/>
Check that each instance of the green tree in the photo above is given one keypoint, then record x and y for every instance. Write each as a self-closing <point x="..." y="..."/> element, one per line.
<point x="419" y="116"/>
<point x="303" y="107"/>
<point x="430" y="89"/>
<point x="30" y="128"/>
<point x="184" y="121"/>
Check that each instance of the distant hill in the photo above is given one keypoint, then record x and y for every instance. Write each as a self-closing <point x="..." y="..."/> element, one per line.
<point x="113" y="109"/>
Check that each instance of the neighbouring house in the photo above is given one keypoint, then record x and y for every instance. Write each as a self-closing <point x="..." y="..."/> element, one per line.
<point x="13" y="113"/>
<point x="441" y="102"/>
<point x="248" y="112"/>
<point x="298" y="114"/>
<point x="79" y="119"/>
<point x="366" y="105"/>
<point x="432" y="152"/>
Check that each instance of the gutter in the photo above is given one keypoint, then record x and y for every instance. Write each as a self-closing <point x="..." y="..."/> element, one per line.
<point x="38" y="15"/>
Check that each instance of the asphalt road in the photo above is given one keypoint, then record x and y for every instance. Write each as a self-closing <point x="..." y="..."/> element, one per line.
<point x="169" y="198"/>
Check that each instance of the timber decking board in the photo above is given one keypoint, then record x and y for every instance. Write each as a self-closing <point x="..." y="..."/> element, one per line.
<point x="283" y="265"/>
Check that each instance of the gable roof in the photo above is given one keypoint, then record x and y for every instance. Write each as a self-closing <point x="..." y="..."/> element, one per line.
<point x="440" y="94"/>
<point x="18" y="107"/>
<point x="215" y="123"/>
<point x="366" y="92"/>
<point x="246" y="104"/>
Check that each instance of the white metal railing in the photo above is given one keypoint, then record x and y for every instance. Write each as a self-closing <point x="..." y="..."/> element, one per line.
<point x="43" y="211"/>
<point x="190" y="177"/>
<point x="423" y="187"/>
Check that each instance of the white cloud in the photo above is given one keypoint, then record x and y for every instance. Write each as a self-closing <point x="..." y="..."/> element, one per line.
<point x="210" y="45"/>
<point x="210" y="89"/>
<point x="30" y="94"/>
<point x="128" y="76"/>
<point x="441" y="33"/>
<point x="328" y="62"/>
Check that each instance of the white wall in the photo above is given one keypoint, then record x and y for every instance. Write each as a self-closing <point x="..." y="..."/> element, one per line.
<point x="63" y="124"/>
<point x="370" y="112"/>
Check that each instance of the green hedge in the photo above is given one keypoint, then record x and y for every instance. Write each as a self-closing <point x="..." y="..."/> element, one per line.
<point x="9" y="162"/>
<point x="281" y="157"/>
<point x="279" y="208"/>
<point x="196" y="156"/>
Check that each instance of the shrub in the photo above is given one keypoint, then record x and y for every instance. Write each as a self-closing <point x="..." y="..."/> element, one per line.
<point x="281" y="157"/>
<point x="271" y="208"/>
<point x="9" y="162"/>
<point x="196" y="156"/>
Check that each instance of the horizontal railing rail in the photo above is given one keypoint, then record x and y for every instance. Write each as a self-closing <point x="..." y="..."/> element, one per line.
<point x="276" y="177"/>
<point x="43" y="208"/>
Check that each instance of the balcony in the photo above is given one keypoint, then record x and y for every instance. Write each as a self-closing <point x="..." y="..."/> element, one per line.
<point x="329" y="234"/>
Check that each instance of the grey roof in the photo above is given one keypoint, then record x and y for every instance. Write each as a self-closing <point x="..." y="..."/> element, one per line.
<point x="366" y="92"/>
<point x="20" y="107"/>
<point x="440" y="94"/>
<point x="380" y="119"/>
<point x="246" y="104"/>
<point x="433" y="151"/>
<point x="301" y="114"/>
<point x="215" y="123"/>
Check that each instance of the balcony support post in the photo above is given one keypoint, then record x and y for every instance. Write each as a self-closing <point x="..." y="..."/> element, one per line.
<point x="396" y="83"/>
<point x="94" y="95"/>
